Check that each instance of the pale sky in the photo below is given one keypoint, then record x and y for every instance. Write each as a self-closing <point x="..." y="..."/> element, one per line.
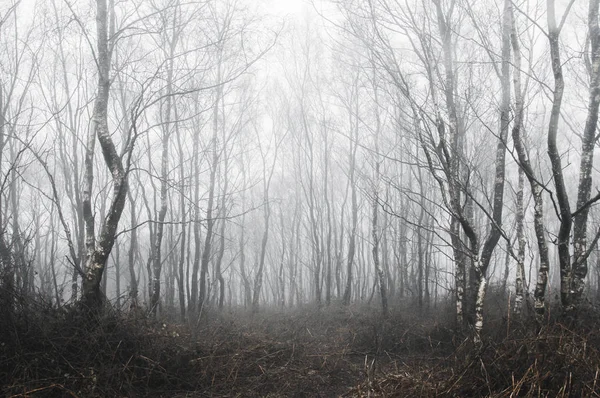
<point x="286" y="7"/>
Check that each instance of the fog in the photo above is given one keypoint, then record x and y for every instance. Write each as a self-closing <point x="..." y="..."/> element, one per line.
<point x="183" y="156"/>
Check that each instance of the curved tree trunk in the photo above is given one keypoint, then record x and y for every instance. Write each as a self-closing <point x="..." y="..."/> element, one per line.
<point x="98" y="252"/>
<point x="564" y="233"/>
<point x="536" y="188"/>
<point x="580" y="243"/>
<point x="482" y="266"/>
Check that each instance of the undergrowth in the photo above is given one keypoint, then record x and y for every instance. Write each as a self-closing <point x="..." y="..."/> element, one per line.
<point x="334" y="351"/>
<point x="516" y="358"/>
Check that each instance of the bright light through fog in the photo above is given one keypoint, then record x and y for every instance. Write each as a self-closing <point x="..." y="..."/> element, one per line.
<point x="286" y="7"/>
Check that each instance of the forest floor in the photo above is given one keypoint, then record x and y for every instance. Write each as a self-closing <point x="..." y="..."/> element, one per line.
<point x="309" y="352"/>
<point x="305" y="352"/>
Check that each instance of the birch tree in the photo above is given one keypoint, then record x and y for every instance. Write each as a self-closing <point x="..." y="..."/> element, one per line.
<point x="98" y="250"/>
<point x="172" y="27"/>
<point x="582" y="249"/>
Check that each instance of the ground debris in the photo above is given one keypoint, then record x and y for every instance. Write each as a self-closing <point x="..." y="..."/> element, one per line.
<point x="305" y="352"/>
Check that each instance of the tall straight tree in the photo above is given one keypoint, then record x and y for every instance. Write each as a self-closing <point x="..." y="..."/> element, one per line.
<point x="267" y="174"/>
<point x="172" y="27"/>
<point x="375" y="228"/>
<point x="353" y="117"/>
<point x="214" y="164"/>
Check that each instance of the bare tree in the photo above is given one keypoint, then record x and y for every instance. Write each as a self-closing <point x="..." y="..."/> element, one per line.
<point x="352" y="109"/>
<point x="97" y="251"/>
<point x="582" y="250"/>
<point x="375" y="232"/>
<point x="267" y="175"/>
<point x="172" y="27"/>
<point x="534" y="182"/>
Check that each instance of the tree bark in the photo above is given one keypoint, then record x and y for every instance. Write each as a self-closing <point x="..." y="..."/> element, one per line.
<point x="182" y="208"/>
<point x="210" y="222"/>
<point x="354" y="207"/>
<point x="223" y="212"/>
<point x="520" y="217"/>
<point x="166" y="123"/>
<point x="192" y="307"/>
<point x="564" y="233"/>
<point x="482" y="265"/>
<point x="580" y="263"/>
<point x="375" y="233"/>
<point x="97" y="253"/>
<point x="536" y="188"/>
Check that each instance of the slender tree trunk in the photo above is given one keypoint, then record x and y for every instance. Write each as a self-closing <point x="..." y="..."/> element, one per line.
<point x="520" y="278"/>
<point x="148" y="276"/>
<point x="385" y="250"/>
<point x="210" y="222"/>
<point x="328" y="257"/>
<point x="97" y="255"/>
<point x="19" y="263"/>
<point x="536" y="188"/>
<point x="506" y="268"/>
<point x="182" y="208"/>
<point x="580" y="252"/>
<point x="267" y="177"/>
<point x="156" y="254"/>
<point x="564" y="233"/>
<point x="131" y="255"/>
<point x="403" y="248"/>
<point x="353" y="193"/>
<point x="375" y="236"/>
<point x="450" y="150"/>
<point x="71" y="172"/>
<point x="192" y="307"/>
<point x="375" y="232"/>
<point x="258" y="280"/>
<point x="339" y="249"/>
<point x="223" y="212"/>
<point x="166" y="124"/>
<point x="219" y="260"/>
<point x="428" y="263"/>
<point x="482" y="266"/>
<point x="245" y="280"/>
<point x="420" y="249"/>
<point x="118" y="275"/>
<point x="282" y="260"/>
<point x="53" y="262"/>
<point x="314" y="223"/>
<point x="294" y="253"/>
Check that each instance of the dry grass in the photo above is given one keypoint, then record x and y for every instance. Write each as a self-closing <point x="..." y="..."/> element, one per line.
<point x="48" y="352"/>
<point x="336" y="351"/>
<point x="559" y="361"/>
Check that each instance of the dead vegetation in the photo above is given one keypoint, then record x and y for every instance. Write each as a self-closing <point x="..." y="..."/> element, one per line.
<point x="514" y="360"/>
<point x="558" y="363"/>
<point x="335" y="351"/>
